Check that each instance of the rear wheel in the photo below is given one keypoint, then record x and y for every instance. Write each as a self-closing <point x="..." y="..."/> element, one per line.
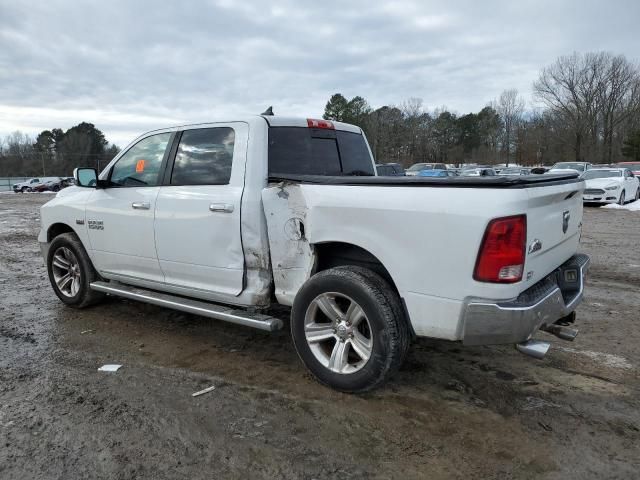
<point x="71" y="272"/>
<point x="349" y="328"/>
<point x="637" y="197"/>
<point x="621" y="200"/>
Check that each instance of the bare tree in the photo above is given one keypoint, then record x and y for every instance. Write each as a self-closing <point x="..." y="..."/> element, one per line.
<point x="510" y="107"/>
<point x="618" y="99"/>
<point x="570" y="88"/>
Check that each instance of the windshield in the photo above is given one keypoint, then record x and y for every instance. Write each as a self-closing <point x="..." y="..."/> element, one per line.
<point x="314" y="151"/>
<point x="419" y="166"/>
<point x="510" y="171"/>
<point x="591" y="174"/>
<point x="569" y="166"/>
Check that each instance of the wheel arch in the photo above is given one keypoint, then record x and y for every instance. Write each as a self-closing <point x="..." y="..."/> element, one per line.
<point x="331" y="254"/>
<point x="59" y="228"/>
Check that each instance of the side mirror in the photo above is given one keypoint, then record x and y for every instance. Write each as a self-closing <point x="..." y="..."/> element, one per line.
<point x="86" y="177"/>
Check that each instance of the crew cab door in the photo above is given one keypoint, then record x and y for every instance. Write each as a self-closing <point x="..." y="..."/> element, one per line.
<point x="197" y="220"/>
<point x="119" y="218"/>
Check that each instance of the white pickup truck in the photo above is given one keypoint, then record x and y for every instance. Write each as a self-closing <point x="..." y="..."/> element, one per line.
<point x="227" y="219"/>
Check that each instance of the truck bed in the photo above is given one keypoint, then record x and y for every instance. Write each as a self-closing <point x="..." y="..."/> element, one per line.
<point x="524" y="181"/>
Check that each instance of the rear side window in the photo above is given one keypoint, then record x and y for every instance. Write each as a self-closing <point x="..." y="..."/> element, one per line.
<point x="204" y="157"/>
<point x="311" y="151"/>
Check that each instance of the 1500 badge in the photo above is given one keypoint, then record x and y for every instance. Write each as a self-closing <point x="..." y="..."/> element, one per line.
<point x="96" y="225"/>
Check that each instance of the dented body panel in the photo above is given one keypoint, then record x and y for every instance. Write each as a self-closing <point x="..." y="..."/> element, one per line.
<point x="428" y="245"/>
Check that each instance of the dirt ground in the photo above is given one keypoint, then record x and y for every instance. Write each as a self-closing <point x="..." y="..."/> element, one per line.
<point x="452" y="412"/>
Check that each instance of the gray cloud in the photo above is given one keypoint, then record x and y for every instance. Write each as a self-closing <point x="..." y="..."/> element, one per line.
<point x="132" y="66"/>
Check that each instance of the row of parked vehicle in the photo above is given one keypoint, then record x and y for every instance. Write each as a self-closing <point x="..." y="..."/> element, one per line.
<point x="43" y="184"/>
<point x="441" y="170"/>
<point x="615" y="183"/>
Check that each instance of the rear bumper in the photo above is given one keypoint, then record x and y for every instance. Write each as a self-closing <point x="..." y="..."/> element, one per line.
<point x="489" y="322"/>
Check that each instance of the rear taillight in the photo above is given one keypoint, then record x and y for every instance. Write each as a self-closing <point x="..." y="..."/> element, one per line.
<point x="502" y="252"/>
<point x="313" y="123"/>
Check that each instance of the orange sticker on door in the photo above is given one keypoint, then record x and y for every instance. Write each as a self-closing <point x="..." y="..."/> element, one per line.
<point x="140" y="166"/>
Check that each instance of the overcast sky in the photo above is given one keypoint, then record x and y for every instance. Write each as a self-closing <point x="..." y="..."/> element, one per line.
<point x="131" y="66"/>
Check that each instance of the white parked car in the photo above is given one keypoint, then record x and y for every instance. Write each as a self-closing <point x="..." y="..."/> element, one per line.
<point x="610" y="185"/>
<point x="226" y="219"/>
<point x="562" y="167"/>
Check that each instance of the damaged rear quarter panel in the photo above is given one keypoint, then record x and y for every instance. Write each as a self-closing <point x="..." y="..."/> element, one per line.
<point x="292" y="257"/>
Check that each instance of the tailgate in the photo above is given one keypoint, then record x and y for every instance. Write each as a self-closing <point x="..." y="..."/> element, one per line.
<point x="554" y="224"/>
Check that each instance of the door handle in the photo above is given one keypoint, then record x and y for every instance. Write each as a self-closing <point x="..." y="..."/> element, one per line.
<point x="141" y="205"/>
<point x="221" y="207"/>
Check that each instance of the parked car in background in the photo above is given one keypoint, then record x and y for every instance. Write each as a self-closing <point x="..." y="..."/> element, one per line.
<point x="417" y="167"/>
<point x="478" y="172"/>
<point x="633" y="166"/>
<point x="539" y="170"/>
<point x="562" y="167"/>
<point x="436" y="173"/>
<point x="54" y="184"/>
<point x="25" y="186"/>
<point x="514" y="171"/>
<point x="610" y="185"/>
<point x="43" y="184"/>
<point x="389" y="170"/>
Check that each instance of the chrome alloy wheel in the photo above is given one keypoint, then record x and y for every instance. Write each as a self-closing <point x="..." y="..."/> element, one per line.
<point x="338" y="333"/>
<point x="66" y="271"/>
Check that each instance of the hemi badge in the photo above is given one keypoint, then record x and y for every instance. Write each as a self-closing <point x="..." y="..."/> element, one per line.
<point x="79" y="221"/>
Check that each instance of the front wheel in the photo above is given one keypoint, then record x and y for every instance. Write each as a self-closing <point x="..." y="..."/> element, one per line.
<point x="70" y="272"/>
<point x="621" y="200"/>
<point x="637" y="197"/>
<point x="349" y="328"/>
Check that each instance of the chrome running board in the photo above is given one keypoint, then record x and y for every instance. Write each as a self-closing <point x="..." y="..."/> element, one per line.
<point x="196" y="307"/>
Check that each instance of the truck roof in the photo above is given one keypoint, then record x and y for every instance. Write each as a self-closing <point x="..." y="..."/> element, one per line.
<point x="272" y="121"/>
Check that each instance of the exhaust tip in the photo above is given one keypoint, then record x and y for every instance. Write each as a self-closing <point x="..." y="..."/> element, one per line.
<point x="533" y="348"/>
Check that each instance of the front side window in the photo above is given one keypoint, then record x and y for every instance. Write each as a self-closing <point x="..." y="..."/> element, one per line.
<point x="140" y="165"/>
<point x="204" y="157"/>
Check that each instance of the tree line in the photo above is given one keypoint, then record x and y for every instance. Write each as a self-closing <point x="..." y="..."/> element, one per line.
<point x="54" y="152"/>
<point x="589" y="110"/>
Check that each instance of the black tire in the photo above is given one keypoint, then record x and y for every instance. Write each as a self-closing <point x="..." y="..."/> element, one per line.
<point x="621" y="200"/>
<point x="23" y="189"/>
<point x="637" y="197"/>
<point x="389" y="328"/>
<point x="55" y="188"/>
<point x="85" y="272"/>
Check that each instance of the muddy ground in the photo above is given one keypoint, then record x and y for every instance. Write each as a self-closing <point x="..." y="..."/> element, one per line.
<point x="452" y="412"/>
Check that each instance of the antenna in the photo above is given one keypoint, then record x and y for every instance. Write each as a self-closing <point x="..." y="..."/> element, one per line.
<point x="268" y="112"/>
